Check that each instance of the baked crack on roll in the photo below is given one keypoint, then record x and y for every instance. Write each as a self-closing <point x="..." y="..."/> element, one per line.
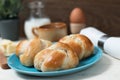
<point x="27" y="49"/>
<point x="59" y="56"/>
<point x="80" y="44"/>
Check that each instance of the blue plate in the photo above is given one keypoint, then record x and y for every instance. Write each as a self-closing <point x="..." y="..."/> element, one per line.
<point x="15" y="64"/>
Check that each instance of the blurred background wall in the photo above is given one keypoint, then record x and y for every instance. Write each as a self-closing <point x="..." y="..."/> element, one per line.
<point x="102" y="14"/>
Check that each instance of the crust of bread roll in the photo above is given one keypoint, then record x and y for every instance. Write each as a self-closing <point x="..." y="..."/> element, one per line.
<point x="80" y="44"/>
<point x="21" y="47"/>
<point x="56" y="57"/>
<point x="27" y="49"/>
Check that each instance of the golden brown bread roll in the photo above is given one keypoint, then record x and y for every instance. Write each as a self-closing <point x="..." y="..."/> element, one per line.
<point x="56" y="57"/>
<point x="80" y="44"/>
<point x="27" y="49"/>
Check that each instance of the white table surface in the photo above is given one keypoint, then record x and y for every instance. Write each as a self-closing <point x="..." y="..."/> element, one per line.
<point x="107" y="68"/>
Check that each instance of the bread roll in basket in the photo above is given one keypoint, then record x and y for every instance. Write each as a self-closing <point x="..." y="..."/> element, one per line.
<point x="56" y="57"/>
<point x="27" y="49"/>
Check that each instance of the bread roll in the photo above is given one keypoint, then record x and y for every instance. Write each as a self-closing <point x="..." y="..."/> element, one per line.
<point x="7" y="47"/>
<point x="56" y="57"/>
<point x="27" y="49"/>
<point x="80" y="44"/>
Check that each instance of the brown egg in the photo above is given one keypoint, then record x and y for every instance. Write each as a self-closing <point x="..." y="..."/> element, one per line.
<point x="77" y="16"/>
